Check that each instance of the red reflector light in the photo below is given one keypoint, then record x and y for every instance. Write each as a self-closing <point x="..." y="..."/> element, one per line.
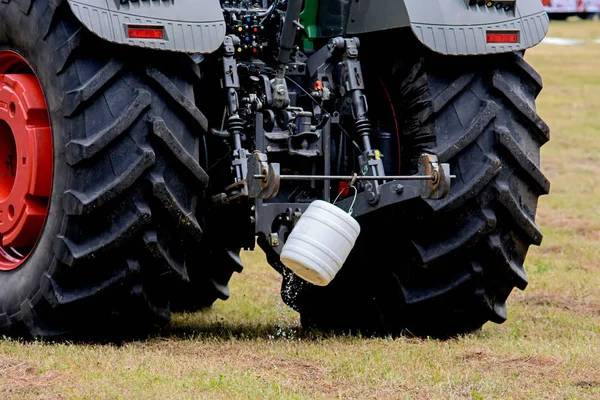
<point x="145" y="33"/>
<point x="502" y="37"/>
<point x="343" y="189"/>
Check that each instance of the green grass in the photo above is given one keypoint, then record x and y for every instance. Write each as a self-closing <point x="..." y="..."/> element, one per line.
<point x="252" y="347"/>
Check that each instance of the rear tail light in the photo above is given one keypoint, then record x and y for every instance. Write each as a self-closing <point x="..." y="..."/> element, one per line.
<point x="502" y="37"/>
<point x="139" y="32"/>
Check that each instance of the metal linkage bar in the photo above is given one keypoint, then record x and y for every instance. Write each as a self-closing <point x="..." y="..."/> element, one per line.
<point x="358" y="178"/>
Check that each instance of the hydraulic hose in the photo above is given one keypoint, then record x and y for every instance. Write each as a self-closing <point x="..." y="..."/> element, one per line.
<point x="288" y="34"/>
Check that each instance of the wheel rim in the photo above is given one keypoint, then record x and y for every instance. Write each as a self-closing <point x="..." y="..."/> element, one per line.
<point x="26" y="158"/>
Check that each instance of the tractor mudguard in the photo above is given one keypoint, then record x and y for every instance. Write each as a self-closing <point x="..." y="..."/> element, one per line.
<point x="454" y="27"/>
<point x="190" y="26"/>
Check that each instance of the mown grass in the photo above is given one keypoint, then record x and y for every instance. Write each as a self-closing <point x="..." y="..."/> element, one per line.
<point x="252" y="347"/>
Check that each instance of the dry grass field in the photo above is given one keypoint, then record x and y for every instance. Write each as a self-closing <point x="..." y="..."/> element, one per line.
<point x="252" y="346"/>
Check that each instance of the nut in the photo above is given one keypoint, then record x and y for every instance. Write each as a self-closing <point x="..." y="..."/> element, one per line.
<point x="398" y="189"/>
<point x="274" y="239"/>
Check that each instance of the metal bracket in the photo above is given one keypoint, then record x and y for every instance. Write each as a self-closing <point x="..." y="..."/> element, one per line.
<point x="439" y="186"/>
<point x="264" y="188"/>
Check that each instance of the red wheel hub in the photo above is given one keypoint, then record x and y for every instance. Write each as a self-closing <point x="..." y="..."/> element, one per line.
<point x="25" y="160"/>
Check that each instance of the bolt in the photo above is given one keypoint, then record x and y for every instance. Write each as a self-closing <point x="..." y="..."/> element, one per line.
<point x="269" y="148"/>
<point x="252" y="220"/>
<point x="398" y="189"/>
<point x="371" y="196"/>
<point x="280" y="90"/>
<point x="274" y="239"/>
<point x="369" y="186"/>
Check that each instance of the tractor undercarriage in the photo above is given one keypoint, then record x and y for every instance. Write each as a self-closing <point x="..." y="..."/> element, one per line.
<point x="306" y="116"/>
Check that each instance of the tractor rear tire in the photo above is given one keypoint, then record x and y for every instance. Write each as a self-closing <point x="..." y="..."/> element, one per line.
<point x="121" y="229"/>
<point x="450" y="269"/>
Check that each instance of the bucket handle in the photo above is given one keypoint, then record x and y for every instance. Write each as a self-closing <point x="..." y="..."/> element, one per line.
<point x="355" y="195"/>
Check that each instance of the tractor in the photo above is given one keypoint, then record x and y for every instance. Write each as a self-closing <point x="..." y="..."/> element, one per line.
<point x="146" y="143"/>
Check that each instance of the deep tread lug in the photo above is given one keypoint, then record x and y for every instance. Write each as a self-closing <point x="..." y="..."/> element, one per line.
<point x="48" y="17"/>
<point x="524" y="222"/>
<point x="513" y="270"/>
<point x="209" y="284"/>
<point x="221" y="289"/>
<point x="235" y="260"/>
<point x="532" y="73"/>
<point x="59" y="296"/>
<point x="451" y="91"/>
<point x="76" y="98"/>
<point x="68" y="251"/>
<point x="172" y="90"/>
<point x="160" y="315"/>
<point x="417" y="297"/>
<point x="34" y="324"/>
<point x="160" y="130"/>
<point x="66" y="50"/>
<point x="83" y="149"/>
<point x="25" y="6"/>
<point x="481" y="121"/>
<point x="185" y="218"/>
<point x="473" y="228"/>
<point x="513" y="150"/>
<point x="79" y="203"/>
<point x="160" y="254"/>
<point x="542" y="131"/>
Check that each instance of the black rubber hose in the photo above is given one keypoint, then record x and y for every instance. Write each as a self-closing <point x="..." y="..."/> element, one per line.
<point x="288" y="34"/>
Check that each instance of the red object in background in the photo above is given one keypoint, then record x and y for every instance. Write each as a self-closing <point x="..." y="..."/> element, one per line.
<point x="145" y="33"/>
<point x="500" y="37"/>
<point x="344" y="189"/>
<point x="571" y="6"/>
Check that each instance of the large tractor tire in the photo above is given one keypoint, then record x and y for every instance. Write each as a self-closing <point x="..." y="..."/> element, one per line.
<point x="450" y="269"/>
<point x="106" y="224"/>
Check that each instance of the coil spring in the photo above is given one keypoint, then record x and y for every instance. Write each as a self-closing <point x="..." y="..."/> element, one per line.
<point x="363" y="126"/>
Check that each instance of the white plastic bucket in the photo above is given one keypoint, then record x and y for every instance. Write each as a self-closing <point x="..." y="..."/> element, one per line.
<point x="320" y="242"/>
